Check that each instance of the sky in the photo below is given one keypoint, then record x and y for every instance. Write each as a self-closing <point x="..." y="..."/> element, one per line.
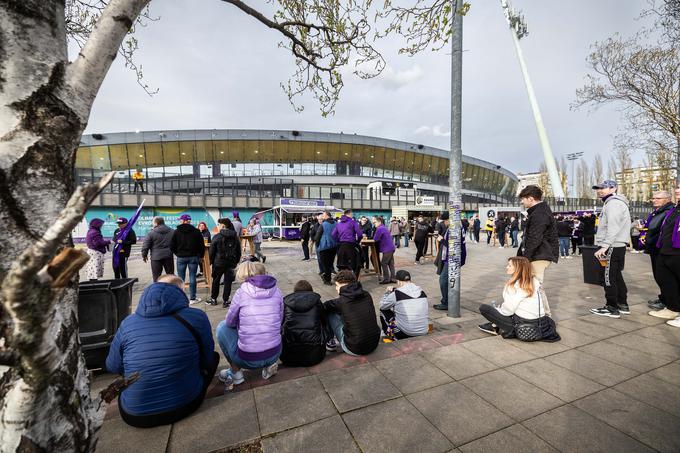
<point x="217" y="68"/>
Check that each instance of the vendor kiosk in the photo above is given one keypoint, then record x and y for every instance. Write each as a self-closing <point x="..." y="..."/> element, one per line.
<point x="288" y="216"/>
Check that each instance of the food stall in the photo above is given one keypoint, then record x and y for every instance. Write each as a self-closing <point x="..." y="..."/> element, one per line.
<point x="288" y="216"/>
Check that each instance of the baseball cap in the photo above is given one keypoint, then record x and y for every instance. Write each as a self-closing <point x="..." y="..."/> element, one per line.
<point x="122" y="220"/>
<point x="185" y="217"/>
<point x="403" y="276"/>
<point x="444" y="215"/>
<point x="606" y="184"/>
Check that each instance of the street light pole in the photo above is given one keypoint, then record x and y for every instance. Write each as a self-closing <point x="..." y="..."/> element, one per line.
<point x="455" y="162"/>
<point x="573" y="157"/>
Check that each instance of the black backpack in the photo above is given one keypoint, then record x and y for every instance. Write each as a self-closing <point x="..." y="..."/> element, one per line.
<point x="232" y="252"/>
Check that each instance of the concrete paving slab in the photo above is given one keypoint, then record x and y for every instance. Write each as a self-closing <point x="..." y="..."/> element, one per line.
<point x="562" y="383"/>
<point x="412" y="373"/>
<point x="647" y="345"/>
<point x="541" y="348"/>
<point x="459" y="413"/>
<point x="512" y="395"/>
<point x="653" y="391"/>
<point x="291" y="404"/>
<point x="574" y="338"/>
<point x="116" y="436"/>
<point x="669" y="373"/>
<point x="498" y="351"/>
<point x="359" y="386"/>
<point x="663" y="332"/>
<point x="458" y="362"/>
<point x="623" y="324"/>
<point x="337" y="360"/>
<point x="449" y="338"/>
<point x="592" y="367"/>
<point x="624" y="356"/>
<point x="641" y="316"/>
<point x="570" y="429"/>
<point x="419" y="344"/>
<point x="408" y="429"/>
<point x="645" y="423"/>
<point x="218" y="423"/>
<point x="329" y="435"/>
<point x="594" y="330"/>
<point x="513" y="439"/>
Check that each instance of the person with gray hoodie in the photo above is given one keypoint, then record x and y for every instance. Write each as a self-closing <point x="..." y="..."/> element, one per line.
<point x="612" y="237"/>
<point x="158" y="243"/>
<point x="404" y="309"/>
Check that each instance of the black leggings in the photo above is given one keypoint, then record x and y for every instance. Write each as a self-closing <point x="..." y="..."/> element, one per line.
<point x="327" y="256"/>
<point x="175" y="415"/>
<point x="229" y="277"/>
<point x="420" y="248"/>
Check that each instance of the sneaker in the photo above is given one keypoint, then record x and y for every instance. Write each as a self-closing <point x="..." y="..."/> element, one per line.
<point x="488" y="328"/>
<point x="440" y="307"/>
<point x="225" y="304"/>
<point x="211" y="301"/>
<point x="624" y="309"/>
<point x="328" y="283"/>
<point x="332" y="345"/>
<point x="606" y="311"/>
<point x="270" y="370"/>
<point x="664" y="314"/>
<point x="674" y="322"/>
<point x="264" y="259"/>
<point x="305" y="259"/>
<point x="320" y="273"/>
<point x="656" y="304"/>
<point x="227" y="374"/>
<point x="195" y="300"/>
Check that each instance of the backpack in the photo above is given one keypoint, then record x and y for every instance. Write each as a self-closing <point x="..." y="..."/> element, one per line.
<point x="232" y="253"/>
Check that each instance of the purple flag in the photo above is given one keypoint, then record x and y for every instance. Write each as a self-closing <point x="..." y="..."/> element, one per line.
<point x="123" y="234"/>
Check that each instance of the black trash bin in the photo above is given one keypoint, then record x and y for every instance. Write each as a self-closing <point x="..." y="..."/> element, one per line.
<point x="591" y="265"/>
<point x="102" y="306"/>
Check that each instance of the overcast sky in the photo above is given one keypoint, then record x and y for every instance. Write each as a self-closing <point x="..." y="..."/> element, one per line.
<point x="215" y="67"/>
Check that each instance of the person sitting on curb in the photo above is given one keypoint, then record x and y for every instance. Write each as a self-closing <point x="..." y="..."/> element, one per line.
<point x="522" y="304"/>
<point x="352" y="317"/>
<point x="305" y="328"/>
<point x="250" y="336"/>
<point x="403" y="310"/>
<point x="171" y="346"/>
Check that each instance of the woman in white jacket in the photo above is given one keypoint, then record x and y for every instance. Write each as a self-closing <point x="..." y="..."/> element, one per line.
<point x="521" y="300"/>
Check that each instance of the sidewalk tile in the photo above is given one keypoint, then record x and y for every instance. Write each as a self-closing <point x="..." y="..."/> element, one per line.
<point x="514" y="396"/>
<point x="417" y="344"/>
<point x="557" y="381"/>
<point x="291" y="404"/>
<point x="642" y="317"/>
<point x="458" y="362"/>
<point x="662" y="332"/>
<point x="329" y="435"/>
<point x="117" y="436"/>
<point x="498" y="351"/>
<point x="592" y="367"/>
<point x="284" y="374"/>
<point x="669" y="373"/>
<point x="513" y="439"/>
<point x="651" y="390"/>
<point x="649" y="346"/>
<point x="645" y="423"/>
<point x="384" y="351"/>
<point x="574" y="338"/>
<point x="412" y="373"/>
<point x="218" y="423"/>
<point x="359" y="386"/>
<point x="540" y="348"/>
<point x="459" y="413"/>
<point x="408" y="430"/>
<point x="598" y="331"/>
<point x="623" y="324"/>
<point x="337" y="360"/>
<point x="449" y="338"/>
<point x="570" y="429"/>
<point x="624" y="356"/>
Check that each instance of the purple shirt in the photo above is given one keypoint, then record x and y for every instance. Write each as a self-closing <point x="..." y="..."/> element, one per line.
<point x="347" y="230"/>
<point x="383" y="239"/>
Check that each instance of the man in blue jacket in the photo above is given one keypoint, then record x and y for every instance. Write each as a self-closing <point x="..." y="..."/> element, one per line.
<point x="171" y="347"/>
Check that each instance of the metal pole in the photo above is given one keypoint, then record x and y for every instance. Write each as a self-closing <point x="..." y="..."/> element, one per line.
<point x="455" y="162"/>
<point x="677" y="137"/>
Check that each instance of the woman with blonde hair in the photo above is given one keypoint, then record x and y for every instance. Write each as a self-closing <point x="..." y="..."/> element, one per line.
<point x="523" y="313"/>
<point x="250" y="336"/>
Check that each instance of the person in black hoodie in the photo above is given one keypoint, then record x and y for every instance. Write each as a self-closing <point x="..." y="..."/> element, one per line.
<point x="305" y="331"/>
<point x="564" y="230"/>
<point x="352" y="317"/>
<point x="588" y="225"/>
<point x="225" y="254"/>
<point x="367" y="232"/>
<point x="126" y="245"/>
<point x="305" y="231"/>
<point x="187" y="244"/>
<point x="662" y="204"/>
<point x="422" y="230"/>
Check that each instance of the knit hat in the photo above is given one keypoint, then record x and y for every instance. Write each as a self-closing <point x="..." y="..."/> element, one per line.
<point x="185" y="217"/>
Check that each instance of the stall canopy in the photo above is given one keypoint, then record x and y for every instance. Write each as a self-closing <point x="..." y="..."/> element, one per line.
<point x="286" y="227"/>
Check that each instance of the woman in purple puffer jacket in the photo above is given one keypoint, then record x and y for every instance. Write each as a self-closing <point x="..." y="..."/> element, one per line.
<point x="96" y="248"/>
<point x="250" y="336"/>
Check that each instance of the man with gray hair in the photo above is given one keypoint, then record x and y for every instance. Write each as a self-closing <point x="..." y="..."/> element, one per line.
<point x="661" y="201"/>
<point x="612" y="237"/>
<point x="158" y="243"/>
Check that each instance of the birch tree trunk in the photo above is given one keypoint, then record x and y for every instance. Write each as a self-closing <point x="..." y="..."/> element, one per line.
<point x="45" y="102"/>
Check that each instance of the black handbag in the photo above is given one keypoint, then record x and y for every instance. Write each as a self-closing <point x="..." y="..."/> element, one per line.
<point x="541" y="329"/>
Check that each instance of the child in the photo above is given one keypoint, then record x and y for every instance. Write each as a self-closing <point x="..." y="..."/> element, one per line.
<point x="305" y="331"/>
<point x="403" y="310"/>
<point x="352" y="317"/>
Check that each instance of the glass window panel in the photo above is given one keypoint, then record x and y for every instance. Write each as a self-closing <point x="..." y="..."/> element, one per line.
<point x="204" y="151"/>
<point x="100" y="158"/>
<point x="421" y="166"/>
<point x="84" y="157"/>
<point x="378" y="161"/>
<point x="136" y="155"/>
<point x="294" y="151"/>
<point x="433" y="166"/>
<point x="321" y="152"/>
<point x="389" y="163"/>
<point x="266" y="152"/>
<point x="345" y="152"/>
<point x="186" y="152"/>
<point x="308" y="152"/>
<point x="333" y="152"/>
<point x="170" y="153"/>
<point x="154" y="155"/>
<point x="358" y="153"/>
<point x="118" y="155"/>
<point x="280" y="148"/>
<point x="400" y="156"/>
<point x="409" y="162"/>
<point x="251" y="150"/>
<point x="235" y="152"/>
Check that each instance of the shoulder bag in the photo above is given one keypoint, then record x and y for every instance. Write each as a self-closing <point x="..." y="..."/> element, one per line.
<point x="541" y="329"/>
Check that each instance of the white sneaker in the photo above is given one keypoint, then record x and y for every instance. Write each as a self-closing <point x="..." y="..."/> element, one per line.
<point x="270" y="370"/>
<point x="665" y="314"/>
<point x="195" y="301"/>
<point x="227" y="374"/>
<point x="674" y="322"/>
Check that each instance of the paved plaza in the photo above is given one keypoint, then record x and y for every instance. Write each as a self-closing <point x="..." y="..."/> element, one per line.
<point x="609" y="385"/>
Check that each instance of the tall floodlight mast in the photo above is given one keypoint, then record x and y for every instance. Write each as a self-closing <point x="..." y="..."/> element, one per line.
<point x="519" y="30"/>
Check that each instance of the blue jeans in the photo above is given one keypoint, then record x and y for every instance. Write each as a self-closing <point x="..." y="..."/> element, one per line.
<point x="192" y="262"/>
<point x="318" y="259"/>
<point x="405" y="239"/>
<point x="227" y="337"/>
<point x="513" y="234"/>
<point x="335" y="321"/>
<point x="564" y="246"/>
<point x="444" y="283"/>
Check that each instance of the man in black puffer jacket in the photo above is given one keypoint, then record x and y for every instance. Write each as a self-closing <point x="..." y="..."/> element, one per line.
<point x="305" y="330"/>
<point x="225" y="254"/>
<point x="188" y="246"/>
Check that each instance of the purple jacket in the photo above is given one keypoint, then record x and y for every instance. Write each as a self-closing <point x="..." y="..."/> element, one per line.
<point x="384" y="240"/>
<point x="257" y="312"/>
<point x="347" y="230"/>
<point x="94" y="238"/>
<point x="675" y="236"/>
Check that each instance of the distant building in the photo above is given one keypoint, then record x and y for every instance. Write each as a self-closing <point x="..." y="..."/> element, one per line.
<point x="539" y="179"/>
<point x="638" y="183"/>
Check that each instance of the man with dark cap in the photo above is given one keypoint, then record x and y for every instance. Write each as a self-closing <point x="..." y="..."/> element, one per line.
<point x="187" y="244"/>
<point x="120" y="271"/>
